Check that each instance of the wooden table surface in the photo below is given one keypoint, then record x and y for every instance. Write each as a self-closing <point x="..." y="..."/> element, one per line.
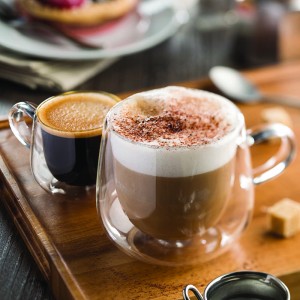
<point x="186" y="57"/>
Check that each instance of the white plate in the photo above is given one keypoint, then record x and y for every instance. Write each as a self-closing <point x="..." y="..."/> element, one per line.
<point x="149" y="25"/>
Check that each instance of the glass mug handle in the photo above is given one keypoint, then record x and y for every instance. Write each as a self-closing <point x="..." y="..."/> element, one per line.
<point x="277" y="163"/>
<point x="17" y="120"/>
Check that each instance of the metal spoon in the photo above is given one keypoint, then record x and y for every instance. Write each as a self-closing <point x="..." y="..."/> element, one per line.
<point x="234" y="85"/>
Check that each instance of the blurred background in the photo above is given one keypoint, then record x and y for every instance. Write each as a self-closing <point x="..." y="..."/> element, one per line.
<point x="238" y="33"/>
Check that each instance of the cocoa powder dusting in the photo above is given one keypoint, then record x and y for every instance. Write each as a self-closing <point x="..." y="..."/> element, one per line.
<point x="178" y="122"/>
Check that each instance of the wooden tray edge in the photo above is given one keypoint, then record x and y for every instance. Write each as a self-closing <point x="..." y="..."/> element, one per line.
<point x="18" y="207"/>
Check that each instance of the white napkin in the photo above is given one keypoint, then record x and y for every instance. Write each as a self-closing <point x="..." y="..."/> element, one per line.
<point x="51" y="75"/>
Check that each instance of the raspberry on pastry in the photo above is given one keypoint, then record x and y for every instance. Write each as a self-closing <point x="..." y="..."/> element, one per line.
<point x="62" y="3"/>
<point x="77" y="12"/>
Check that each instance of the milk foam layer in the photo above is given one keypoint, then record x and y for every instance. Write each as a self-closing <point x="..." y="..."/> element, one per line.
<point x="179" y="155"/>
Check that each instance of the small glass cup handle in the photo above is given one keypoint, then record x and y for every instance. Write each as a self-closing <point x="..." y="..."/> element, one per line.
<point x="19" y="116"/>
<point x="277" y="163"/>
<point x="190" y="287"/>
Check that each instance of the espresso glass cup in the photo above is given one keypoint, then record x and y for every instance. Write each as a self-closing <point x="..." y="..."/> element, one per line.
<point x="175" y="183"/>
<point x="64" y="138"/>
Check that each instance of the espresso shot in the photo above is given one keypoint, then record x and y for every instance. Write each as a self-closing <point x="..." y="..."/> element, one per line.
<point x="71" y="134"/>
<point x="72" y="160"/>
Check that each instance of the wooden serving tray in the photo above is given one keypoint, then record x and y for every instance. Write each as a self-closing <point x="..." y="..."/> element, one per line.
<point x="69" y="245"/>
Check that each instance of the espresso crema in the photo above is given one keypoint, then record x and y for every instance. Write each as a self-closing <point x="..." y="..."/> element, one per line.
<point x="75" y="114"/>
<point x="71" y="130"/>
<point x="174" y="154"/>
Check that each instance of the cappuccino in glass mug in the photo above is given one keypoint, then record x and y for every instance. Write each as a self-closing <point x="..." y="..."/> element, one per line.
<point x="175" y="181"/>
<point x="164" y="143"/>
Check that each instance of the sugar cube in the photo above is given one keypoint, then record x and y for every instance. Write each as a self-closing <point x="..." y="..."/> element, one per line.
<point x="284" y="217"/>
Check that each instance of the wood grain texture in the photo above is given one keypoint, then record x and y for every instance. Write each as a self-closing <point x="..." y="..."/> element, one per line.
<point x="68" y="243"/>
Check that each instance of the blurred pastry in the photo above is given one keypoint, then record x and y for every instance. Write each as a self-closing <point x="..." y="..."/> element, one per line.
<point x="77" y="12"/>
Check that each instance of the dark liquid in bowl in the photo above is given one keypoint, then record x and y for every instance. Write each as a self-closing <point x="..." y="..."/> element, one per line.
<point x="248" y="289"/>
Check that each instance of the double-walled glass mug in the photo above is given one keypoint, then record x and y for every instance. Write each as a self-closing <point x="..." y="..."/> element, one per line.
<point x="175" y="183"/>
<point x="64" y="138"/>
